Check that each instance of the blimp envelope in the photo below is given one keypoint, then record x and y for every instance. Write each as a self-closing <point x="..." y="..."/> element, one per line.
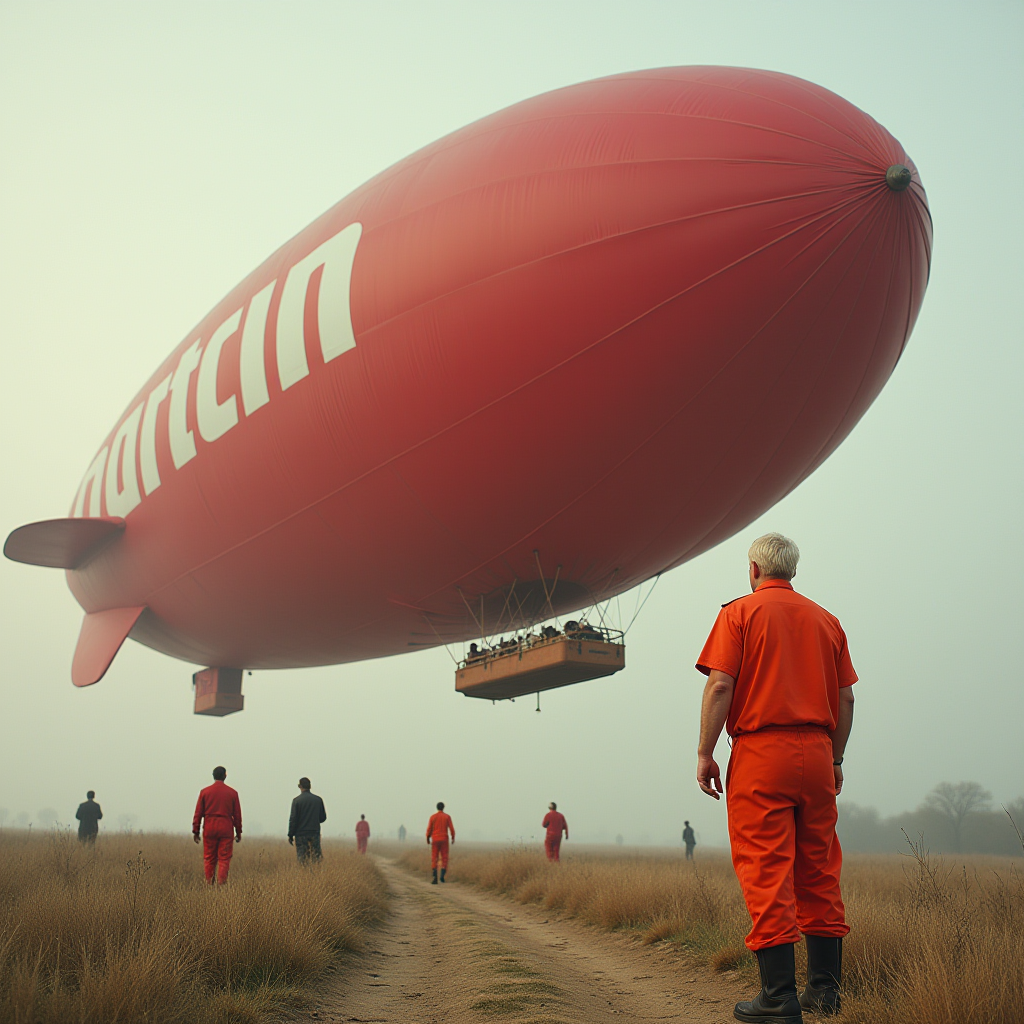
<point x="555" y="353"/>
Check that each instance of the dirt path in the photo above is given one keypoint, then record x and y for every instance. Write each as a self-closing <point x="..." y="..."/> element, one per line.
<point x="454" y="954"/>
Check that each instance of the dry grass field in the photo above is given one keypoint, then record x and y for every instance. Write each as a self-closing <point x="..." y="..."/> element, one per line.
<point x="934" y="941"/>
<point x="127" y="932"/>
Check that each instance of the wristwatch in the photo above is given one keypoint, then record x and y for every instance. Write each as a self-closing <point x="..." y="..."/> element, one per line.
<point x="838" y="763"/>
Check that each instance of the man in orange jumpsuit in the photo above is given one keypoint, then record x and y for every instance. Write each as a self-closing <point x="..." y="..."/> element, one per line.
<point x="220" y="815"/>
<point x="779" y="681"/>
<point x="362" y="833"/>
<point x="438" y="827"/>
<point x="554" y="824"/>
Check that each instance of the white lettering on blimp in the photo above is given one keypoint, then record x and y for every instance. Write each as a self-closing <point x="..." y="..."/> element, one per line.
<point x="322" y="279"/>
<point x="334" y="319"/>
<point x="215" y="418"/>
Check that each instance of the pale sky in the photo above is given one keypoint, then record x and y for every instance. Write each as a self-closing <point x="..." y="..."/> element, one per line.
<point x="151" y="155"/>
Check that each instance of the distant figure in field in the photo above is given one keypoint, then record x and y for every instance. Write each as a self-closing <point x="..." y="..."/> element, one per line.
<point x="555" y="824"/>
<point x="401" y="833"/>
<point x="308" y="814"/>
<point x="689" y="839"/>
<point x="362" y="833"/>
<point x="438" y="827"/>
<point x="219" y="813"/>
<point x="88" y="815"/>
<point x="780" y="681"/>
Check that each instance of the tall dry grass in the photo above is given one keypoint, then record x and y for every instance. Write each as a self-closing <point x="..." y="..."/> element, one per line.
<point x="127" y="931"/>
<point x="933" y="941"/>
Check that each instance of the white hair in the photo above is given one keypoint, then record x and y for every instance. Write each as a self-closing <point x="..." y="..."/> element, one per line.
<point x="776" y="556"/>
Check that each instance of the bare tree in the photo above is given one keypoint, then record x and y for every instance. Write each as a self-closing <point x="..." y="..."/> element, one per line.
<point x="956" y="801"/>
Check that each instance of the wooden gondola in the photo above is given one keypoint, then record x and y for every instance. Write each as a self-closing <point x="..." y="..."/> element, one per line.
<point x="543" y="663"/>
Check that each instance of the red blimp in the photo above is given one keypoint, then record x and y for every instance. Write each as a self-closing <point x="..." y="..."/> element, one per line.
<point x="542" y="360"/>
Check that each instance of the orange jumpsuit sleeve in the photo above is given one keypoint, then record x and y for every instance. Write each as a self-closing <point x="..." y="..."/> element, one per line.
<point x="546" y="821"/>
<point x="844" y="666"/>
<point x="197" y="818"/>
<point x="724" y="647"/>
<point x="451" y="826"/>
<point x="236" y="813"/>
<point x="430" y="827"/>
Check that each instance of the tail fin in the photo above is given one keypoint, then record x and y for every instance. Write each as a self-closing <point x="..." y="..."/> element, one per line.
<point x="100" y="640"/>
<point x="62" y="543"/>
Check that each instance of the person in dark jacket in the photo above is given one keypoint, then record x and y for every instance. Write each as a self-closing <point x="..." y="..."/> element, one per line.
<point x="690" y="839"/>
<point x="304" y="824"/>
<point x="88" y="815"/>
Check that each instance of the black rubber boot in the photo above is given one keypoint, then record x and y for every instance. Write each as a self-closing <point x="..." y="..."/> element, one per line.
<point x="824" y="973"/>
<point x="777" y="1000"/>
<point x="433" y="881"/>
<point x="443" y="871"/>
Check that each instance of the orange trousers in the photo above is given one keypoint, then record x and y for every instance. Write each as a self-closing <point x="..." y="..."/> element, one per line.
<point x="217" y="851"/>
<point x="552" y="845"/>
<point x="780" y="791"/>
<point x="439" y="851"/>
<point x="361" y="842"/>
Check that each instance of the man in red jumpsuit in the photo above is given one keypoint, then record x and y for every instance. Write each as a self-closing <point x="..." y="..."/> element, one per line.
<point x="220" y="815"/>
<point x="779" y="681"/>
<point x="554" y="824"/>
<point x="362" y="833"/>
<point x="438" y="827"/>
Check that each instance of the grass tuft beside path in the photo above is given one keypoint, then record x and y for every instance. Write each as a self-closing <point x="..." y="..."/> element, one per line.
<point x="933" y="941"/>
<point x="127" y="931"/>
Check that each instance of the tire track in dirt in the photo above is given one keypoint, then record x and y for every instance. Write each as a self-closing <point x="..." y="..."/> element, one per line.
<point x="454" y="954"/>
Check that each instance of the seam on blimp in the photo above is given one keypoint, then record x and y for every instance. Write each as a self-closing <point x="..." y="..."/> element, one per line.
<point x="367" y="332"/>
<point x="656" y="431"/>
<point x="810" y="392"/>
<point x="842" y="419"/>
<point x="526" y="384"/>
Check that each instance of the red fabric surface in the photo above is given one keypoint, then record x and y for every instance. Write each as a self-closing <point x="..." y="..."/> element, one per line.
<point x="219" y="809"/>
<point x="642" y="257"/>
<point x="217" y="851"/>
<point x="439" y="851"/>
<point x="439" y="826"/>
<point x="780" y="794"/>
<point x="789" y="658"/>
<point x="555" y="824"/>
<point x="552" y="846"/>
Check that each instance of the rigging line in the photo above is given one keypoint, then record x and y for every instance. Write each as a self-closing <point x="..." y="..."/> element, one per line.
<point x="521" y="612"/>
<point x="478" y="623"/>
<point x="439" y="640"/>
<point x="544" y="583"/>
<point x="504" y="608"/>
<point x="641" y="608"/>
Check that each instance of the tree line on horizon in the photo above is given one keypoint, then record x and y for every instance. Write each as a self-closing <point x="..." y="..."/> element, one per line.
<point x="953" y="818"/>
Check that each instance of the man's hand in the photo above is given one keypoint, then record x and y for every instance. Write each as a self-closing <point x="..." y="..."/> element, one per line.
<point x="714" y="710"/>
<point x="291" y="840"/>
<point x="195" y="837"/>
<point x="428" y="840"/>
<point x="837" y="771"/>
<point x="709" y="773"/>
<point x="238" y="837"/>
